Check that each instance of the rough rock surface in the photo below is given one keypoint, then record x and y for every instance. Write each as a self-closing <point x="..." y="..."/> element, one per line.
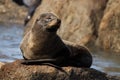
<point x="96" y="22"/>
<point x="83" y="21"/>
<point x="1" y="64"/>
<point x="11" y="12"/>
<point x="80" y="19"/>
<point x="109" y="30"/>
<point x="17" y="71"/>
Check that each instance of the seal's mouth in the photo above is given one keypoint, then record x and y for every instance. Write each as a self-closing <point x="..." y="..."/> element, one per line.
<point x="54" y="25"/>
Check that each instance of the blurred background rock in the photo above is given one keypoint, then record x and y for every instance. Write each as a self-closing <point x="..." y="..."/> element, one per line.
<point x="10" y="12"/>
<point x="83" y="22"/>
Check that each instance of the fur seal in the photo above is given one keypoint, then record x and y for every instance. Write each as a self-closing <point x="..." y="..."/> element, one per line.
<point x="42" y="45"/>
<point x="42" y="42"/>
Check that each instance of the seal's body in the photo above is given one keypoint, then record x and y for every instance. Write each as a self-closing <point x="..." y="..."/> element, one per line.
<point x="80" y="55"/>
<point x="41" y="44"/>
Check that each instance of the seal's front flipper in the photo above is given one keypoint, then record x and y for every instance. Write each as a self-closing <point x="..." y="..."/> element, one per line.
<point x="38" y="62"/>
<point x="57" y="67"/>
<point x="49" y="62"/>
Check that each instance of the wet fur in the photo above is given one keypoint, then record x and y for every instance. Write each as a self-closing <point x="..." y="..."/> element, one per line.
<point x="52" y="50"/>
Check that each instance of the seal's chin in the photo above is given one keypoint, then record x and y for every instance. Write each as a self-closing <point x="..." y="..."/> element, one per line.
<point x="53" y="25"/>
<point x="53" y="28"/>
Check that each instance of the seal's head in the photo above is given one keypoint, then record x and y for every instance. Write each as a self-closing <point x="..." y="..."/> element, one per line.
<point x="49" y="22"/>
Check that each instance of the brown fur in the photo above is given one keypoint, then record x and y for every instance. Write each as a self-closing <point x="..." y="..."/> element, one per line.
<point x="41" y="44"/>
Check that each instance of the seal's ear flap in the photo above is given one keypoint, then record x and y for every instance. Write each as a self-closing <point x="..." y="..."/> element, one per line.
<point x="19" y="2"/>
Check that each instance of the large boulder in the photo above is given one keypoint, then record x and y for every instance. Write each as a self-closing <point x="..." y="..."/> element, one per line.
<point x="17" y="71"/>
<point x="109" y="30"/>
<point x="11" y="12"/>
<point x="80" y="18"/>
<point x="83" y="21"/>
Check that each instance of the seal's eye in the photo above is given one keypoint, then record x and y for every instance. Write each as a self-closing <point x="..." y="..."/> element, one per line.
<point x="48" y="19"/>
